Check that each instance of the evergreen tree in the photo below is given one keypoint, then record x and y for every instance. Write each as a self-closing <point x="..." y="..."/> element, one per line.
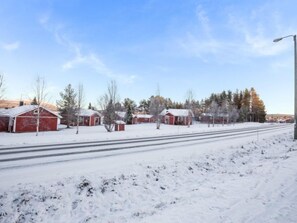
<point x="67" y="104"/>
<point x="130" y="108"/>
<point x="257" y="107"/>
<point x="34" y="101"/>
<point x="144" y="106"/>
<point x="129" y="103"/>
<point x="129" y="115"/>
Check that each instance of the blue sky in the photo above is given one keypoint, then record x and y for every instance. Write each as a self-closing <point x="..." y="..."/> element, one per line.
<point x="207" y="46"/>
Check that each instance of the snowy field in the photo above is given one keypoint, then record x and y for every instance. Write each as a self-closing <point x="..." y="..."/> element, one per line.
<point x="90" y="133"/>
<point x="244" y="179"/>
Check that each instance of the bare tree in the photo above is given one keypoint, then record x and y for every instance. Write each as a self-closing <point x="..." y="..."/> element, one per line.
<point x="80" y="101"/>
<point x="107" y="103"/>
<point x="40" y="95"/>
<point x="189" y="105"/>
<point x="213" y="111"/>
<point x="223" y="110"/>
<point x="233" y="113"/>
<point x="1" y="86"/>
<point x="156" y="106"/>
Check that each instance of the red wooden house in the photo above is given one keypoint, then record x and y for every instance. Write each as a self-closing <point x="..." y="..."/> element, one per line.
<point x="24" y="119"/>
<point x="142" y="118"/>
<point x="88" y="117"/>
<point x="177" y="116"/>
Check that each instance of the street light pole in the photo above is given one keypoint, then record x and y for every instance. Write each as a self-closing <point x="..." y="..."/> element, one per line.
<point x="295" y="83"/>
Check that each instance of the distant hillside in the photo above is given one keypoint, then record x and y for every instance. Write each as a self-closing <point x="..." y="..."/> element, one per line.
<point x="16" y="103"/>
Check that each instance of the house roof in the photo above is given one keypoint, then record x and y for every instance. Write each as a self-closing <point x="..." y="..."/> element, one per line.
<point x="178" y="112"/>
<point x="218" y="115"/>
<point x="13" y="112"/>
<point x="88" y="112"/>
<point x="3" y="112"/>
<point x="119" y="122"/>
<point x="143" y="116"/>
<point x="121" y="114"/>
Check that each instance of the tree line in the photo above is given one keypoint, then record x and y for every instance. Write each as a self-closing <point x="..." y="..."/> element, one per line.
<point x="239" y="106"/>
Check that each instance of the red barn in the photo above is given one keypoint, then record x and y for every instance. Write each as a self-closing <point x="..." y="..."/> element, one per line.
<point x="88" y="117"/>
<point x="177" y="116"/>
<point x="24" y="119"/>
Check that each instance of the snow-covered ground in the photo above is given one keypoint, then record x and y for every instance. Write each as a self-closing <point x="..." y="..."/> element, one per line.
<point x="91" y="133"/>
<point x="248" y="179"/>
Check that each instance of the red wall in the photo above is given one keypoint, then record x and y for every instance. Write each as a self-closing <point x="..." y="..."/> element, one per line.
<point x="87" y="122"/>
<point x="4" y="121"/>
<point x="119" y="127"/>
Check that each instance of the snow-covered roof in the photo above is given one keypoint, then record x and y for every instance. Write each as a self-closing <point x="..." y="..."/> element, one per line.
<point x="177" y="112"/>
<point x="3" y="112"/>
<point x="218" y="115"/>
<point x="143" y="116"/>
<point x="88" y="112"/>
<point x="121" y="114"/>
<point x="119" y="122"/>
<point x="13" y="112"/>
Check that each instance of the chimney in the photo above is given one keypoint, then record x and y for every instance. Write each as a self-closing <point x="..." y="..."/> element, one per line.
<point x="21" y="103"/>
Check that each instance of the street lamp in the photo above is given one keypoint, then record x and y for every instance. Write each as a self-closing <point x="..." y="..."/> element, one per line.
<point x="295" y="72"/>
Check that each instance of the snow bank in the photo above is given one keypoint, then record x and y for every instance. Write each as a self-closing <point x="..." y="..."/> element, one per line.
<point x="254" y="182"/>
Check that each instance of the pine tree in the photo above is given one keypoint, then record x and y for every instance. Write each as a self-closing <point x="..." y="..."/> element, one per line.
<point x="67" y="104"/>
<point x="34" y="101"/>
<point x="129" y="115"/>
<point x="144" y="106"/>
<point x="130" y="108"/>
<point x="257" y="107"/>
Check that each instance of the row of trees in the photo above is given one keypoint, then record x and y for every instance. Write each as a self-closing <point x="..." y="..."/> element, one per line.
<point x="244" y="105"/>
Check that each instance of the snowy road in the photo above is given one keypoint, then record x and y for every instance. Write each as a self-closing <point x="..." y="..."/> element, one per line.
<point x="20" y="156"/>
<point x="236" y="174"/>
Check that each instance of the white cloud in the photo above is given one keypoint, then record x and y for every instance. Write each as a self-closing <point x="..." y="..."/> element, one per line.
<point x="79" y="57"/>
<point x="203" y="21"/>
<point x="237" y="36"/>
<point x="44" y="18"/>
<point x="92" y="60"/>
<point x="11" y="46"/>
